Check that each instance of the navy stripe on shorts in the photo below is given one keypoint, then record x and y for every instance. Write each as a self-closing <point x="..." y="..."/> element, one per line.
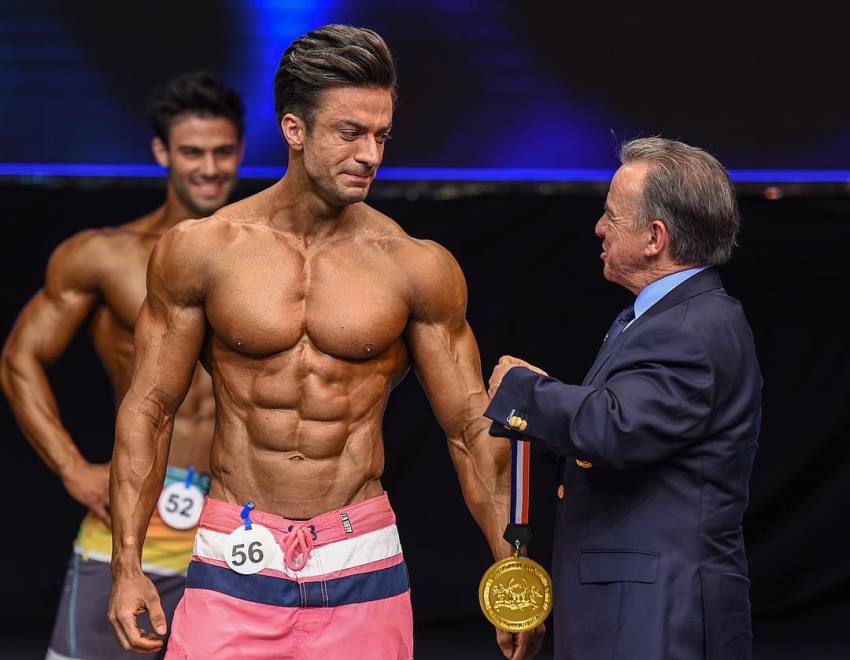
<point x="269" y="590"/>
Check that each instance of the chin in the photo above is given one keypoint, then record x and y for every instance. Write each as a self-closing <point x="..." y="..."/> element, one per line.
<point x="208" y="207"/>
<point x="205" y="210"/>
<point x="353" y="195"/>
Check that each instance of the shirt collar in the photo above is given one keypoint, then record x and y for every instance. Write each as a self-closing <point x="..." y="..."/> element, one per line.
<point x="654" y="292"/>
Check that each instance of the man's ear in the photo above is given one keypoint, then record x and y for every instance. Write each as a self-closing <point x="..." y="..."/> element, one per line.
<point x="160" y="151"/>
<point x="294" y="131"/>
<point x="658" y="238"/>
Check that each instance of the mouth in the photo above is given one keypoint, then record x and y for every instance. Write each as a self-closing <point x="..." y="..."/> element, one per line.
<point x="210" y="189"/>
<point x="359" y="178"/>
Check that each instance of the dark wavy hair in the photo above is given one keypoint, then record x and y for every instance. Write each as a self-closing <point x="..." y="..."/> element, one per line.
<point x="332" y="56"/>
<point x="198" y="93"/>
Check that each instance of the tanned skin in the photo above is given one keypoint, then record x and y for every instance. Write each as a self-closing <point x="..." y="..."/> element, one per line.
<point x="306" y="306"/>
<point x="97" y="277"/>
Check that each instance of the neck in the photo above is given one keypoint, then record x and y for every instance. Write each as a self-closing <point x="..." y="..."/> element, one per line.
<point x="655" y="273"/>
<point x="299" y="208"/>
<point x="173" y="212"/>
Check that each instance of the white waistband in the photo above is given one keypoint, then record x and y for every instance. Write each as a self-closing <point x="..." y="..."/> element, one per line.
<point x="330" y="558"/>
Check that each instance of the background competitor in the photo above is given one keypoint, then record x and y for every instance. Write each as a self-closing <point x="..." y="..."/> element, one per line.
<point x="98" y="276"/>
<point x="307" y="306"/>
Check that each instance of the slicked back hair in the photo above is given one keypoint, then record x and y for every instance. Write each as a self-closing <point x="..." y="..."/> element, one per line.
<point x="332" y="56"/>
<point x="691" y="192"/>
<point x="198" y="93"/>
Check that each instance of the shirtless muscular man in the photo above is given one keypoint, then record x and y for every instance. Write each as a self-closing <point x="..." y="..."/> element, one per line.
<point x="98" y="277"/>
<point x="306" y="306"/>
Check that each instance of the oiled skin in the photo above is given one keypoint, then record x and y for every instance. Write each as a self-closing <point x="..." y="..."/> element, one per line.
<point x="96" y="277"/>
<point x="306" y="306"/>
<point x="304" y="338"/>
<point x="99" y="277"/>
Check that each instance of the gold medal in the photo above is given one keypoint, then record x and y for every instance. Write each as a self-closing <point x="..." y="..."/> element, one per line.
<point x="515" y="594"/>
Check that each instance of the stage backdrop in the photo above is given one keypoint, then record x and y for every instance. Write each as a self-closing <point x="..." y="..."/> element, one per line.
<point x="483" y="84"/>
<point x="791" y="273"/>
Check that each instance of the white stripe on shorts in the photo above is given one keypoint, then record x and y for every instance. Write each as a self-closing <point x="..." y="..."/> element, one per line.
<point x="152" y="569"/>
<point x="347" y="553"/>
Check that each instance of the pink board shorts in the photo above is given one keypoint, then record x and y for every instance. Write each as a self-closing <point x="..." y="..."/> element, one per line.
<point x="349" y="598"/>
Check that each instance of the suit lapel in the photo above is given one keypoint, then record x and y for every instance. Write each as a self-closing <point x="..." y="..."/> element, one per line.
<point x="706" y="280"/>
<point x="605" y="352"/>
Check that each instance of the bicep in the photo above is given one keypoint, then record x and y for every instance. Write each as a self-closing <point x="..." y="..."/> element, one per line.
<point x="444" y="350"/>
<point x="447" y="364"/>
<point x="171" y="325"/>
<point x="168" y="340"/>
<point x="52" y="317"/>
<point x="49" y="321"/>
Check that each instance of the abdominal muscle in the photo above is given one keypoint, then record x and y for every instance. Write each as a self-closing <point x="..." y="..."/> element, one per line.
<point x="299" y="433"/>
<point x="194" y="422"/>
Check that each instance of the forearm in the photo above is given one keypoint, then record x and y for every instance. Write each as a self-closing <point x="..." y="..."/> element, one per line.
<point x="637" y="417"/>
<point x="31" y="399"/>
<point x="143" y="436"/>
<point x="482" y="463"/>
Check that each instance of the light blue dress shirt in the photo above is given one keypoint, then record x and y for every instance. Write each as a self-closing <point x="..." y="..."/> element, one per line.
<point x="654" y="292"/>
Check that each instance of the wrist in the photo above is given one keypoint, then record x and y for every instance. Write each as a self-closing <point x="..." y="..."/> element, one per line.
<point x="126" y="565"/>
<point x="71" y="467"/>
<point x="126" y="554"/>
<point x="503" y="552"/>
<point x="502" y="549"/>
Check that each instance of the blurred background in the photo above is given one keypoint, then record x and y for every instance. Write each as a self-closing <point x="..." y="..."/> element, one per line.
<point x="504" y="140"/>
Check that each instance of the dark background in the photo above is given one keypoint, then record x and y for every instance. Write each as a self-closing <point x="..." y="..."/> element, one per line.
<point x="791" y="273"/>
<point x="495" y="84"/>
<point x="483" y="83"/>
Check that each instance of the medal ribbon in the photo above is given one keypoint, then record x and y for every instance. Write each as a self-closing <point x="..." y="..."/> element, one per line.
<point x="520" y="479"/>
<point x="517" y="533"/>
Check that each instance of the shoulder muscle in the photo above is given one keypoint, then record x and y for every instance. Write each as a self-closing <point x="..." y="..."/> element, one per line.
<point x="177" y="271"/>
<point x="77" y="264"/>
<point x="437" y="283"/>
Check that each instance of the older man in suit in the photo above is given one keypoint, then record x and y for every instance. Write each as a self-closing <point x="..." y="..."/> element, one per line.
<point x="657" y="444"/>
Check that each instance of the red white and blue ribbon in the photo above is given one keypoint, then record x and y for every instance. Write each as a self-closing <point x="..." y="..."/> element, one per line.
<point x="520" y="479"/>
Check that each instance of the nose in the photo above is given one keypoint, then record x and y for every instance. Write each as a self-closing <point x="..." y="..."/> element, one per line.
<point x="209" y="165"/>
<point x="368" y="152"/>
<point x="600" y="227"/>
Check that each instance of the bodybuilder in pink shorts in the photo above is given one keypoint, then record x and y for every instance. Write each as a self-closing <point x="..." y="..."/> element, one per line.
<point x="306" y="306"/>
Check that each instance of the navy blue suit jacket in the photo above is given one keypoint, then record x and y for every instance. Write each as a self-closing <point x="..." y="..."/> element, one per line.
<point x="649" y="558"/>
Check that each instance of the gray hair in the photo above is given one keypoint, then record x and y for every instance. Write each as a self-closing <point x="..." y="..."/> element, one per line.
<point x="691" y="192"/>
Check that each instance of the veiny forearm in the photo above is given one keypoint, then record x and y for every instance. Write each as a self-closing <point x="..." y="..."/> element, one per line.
<point x="143" y="436"/>
<point x="483" y="467"/>
<point x="448" y="364"/>
<point x="33" y="403"/>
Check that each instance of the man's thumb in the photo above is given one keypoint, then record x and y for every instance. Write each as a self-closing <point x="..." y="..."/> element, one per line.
<point x="157" y="617"/>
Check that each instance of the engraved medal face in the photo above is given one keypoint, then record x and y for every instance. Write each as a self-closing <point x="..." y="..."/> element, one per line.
<point x="515" y="594"/>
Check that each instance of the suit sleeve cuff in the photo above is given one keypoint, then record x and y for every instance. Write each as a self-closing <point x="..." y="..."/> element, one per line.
<point x="512" y="395"/>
